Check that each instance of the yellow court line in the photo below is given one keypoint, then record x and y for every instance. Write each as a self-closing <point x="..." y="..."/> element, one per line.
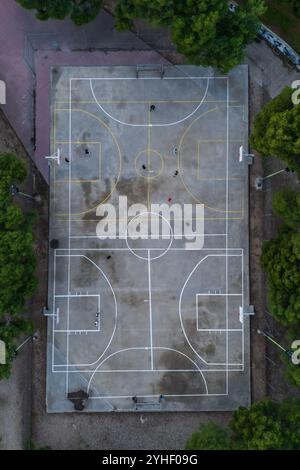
<point x="143" y="101"/>
<point x="120" y="166"/>
<point x="233" y="178"/>
<point x="78" y="142"/>
<point x="218" y="141"/>
<point x="137" y="168"/>
<point x="120" y="161"/>
<point x="148" y="160"/>
<point x="198" y="160"/>
<point x="239" y="106"/>
<point x="179" y="166"/>
<point x="54" y="145"/>
<point x="194" y="218"/>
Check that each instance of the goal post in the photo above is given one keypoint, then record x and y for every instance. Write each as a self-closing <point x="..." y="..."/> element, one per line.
<point x="158" y="68"/>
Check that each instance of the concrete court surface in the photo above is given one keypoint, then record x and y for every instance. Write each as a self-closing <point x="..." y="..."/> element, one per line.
<point x="153" y="319"/>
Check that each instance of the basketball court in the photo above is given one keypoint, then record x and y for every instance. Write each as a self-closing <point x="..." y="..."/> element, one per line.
<point x="155" y="323"/>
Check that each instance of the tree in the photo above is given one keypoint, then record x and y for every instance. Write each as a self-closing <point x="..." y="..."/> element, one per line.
<point x="276" y="130"/>
<point x="267" y="425"/>
<point x="296" y="6"/>
<point x="10" y="331"/>
<point x="293" y="372"/>
<point x="12" y="170"/>
<point x="80" y="11"/>
<point x="209" y="437"/>
<point x="205" y="31"/>
<point x="17" y="261"/>
<point x="281" y="261"/>
<point x="17" y="256"/>
<point x="280" y="103"/>
<point x="290" y="360"/>
<point x="209" y="34"/>
<point x="157" y="12"/>
<point x="286" y="205"/>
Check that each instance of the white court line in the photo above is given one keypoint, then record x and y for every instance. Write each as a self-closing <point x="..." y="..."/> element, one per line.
<point x="53" y="304"/>
<point x="145" y="348"/>
<point x="157" y="396"/>
<point x="211" y="249"/>
<point x="77" y="295"/>
<point x="243" y="334"/>
<point x="227" y="228"/>
<point x="69" y="234"/>
<point x="151" y="236"/>
<point x="219" y="329"/>
<point x="145" y="249"/>
<point x="147" y="78"/>
<point x="174" y="123"/>
<point x="104" y="371"/>
<point x="80" y="330"/>
<point x="180" y="313"/>
<point x="77" y="332"/>
<point x="214" y="295"/>
<point x="150" y="307"/>
<point x="116" y="312"/>
<point x="206" y="295"/>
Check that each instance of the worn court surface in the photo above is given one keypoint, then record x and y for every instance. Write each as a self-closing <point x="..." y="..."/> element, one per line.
<point x="168" y="320"/>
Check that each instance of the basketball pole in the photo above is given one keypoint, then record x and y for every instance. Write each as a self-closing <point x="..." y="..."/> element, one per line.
<point x="272" y="340"/>
<point x="260" y="179"/>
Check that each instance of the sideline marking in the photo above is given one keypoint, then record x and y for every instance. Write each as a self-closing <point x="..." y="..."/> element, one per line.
<point x="174" y="123"/>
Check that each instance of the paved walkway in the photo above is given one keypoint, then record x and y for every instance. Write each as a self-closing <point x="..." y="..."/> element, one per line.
<point x="28" y="48"/>
<point x="43" y="65"/>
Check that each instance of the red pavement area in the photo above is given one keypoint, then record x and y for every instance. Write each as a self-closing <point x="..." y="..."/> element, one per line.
<point x="28" y="51"/>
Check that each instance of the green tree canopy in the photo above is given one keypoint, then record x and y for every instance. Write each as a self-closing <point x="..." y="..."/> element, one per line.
<point x="286" y="205"/>
<point x="12" y="170"/>
<point x="209" y="437"/>
<point x="209" y="34"/>
<point x="17" y="261"/>
<point x="293" y="372"/>
<point x="276" y="130"/>
<point x="17" y="257"/>
<point x="80" y="11"/>
<point x="157" y="12"/>
<point x="296" y="6"/>
<point x="281" y="261"/>
<point x="205" y="31"/>
<point x="265" y="425"/>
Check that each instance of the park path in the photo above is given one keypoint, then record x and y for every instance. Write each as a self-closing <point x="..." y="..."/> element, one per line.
<point x="29" y="48"/>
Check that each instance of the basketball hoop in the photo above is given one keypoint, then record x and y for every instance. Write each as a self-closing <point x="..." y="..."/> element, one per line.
<point x="243" y="156"/>
<point x="55" y="156"/>
<point x="241" y="153"/>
